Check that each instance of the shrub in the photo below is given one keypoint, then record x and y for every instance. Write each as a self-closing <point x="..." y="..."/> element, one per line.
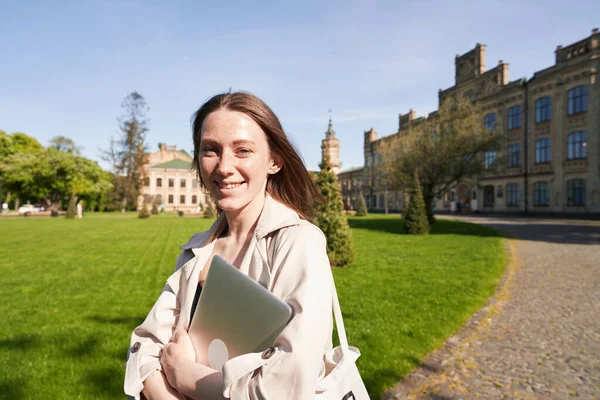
<point x="71" y="208"/>
<point x="361" y="208"/>
<point x="415" y="219"/>
<point x="330" y="218"/>
<point x="144" y="212"/>
<point x="154" y="208"/>
<point x="209" y="212"/>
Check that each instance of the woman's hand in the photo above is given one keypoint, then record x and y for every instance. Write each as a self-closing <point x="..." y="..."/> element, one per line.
<point x="175" y="354"/>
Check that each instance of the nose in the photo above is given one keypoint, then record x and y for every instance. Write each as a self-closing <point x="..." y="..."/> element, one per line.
<point x="226" y="164"/>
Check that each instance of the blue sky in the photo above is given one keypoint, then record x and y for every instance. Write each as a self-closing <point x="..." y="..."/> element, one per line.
<point x="67" y="65"/>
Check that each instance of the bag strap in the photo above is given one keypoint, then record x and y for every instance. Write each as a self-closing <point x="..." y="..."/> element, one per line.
<point x="339" y="321"/>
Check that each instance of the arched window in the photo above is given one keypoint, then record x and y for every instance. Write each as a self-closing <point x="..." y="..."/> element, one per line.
<point x="541" y="194"/>
<point x="578" y="100"/>
<point x="490" y="122"/>
<point x="576" y="192"/>
<point x="577" y="145"/>
<point x="513" y="195"/>
<point x="543" y="109"/>
<point x="542" y="151"/>
<point x="514" y="117"/>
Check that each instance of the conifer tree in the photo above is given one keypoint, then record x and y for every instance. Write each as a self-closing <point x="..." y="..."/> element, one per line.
<point x="209" y="211"/>
<point x="330" y="218"/>
<point x="154" y="210"/>
<point x="361" y="209"/>
<point x="71" y="208"/>
<point x="415" y="219"/>
<point x="144" y="212"/>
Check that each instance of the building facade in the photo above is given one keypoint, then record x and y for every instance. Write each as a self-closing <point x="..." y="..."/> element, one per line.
<point x="550" y="126"/>
<point x="169" y="180"/>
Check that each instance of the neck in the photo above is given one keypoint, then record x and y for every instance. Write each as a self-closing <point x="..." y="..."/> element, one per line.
<point x="241" y="223"/>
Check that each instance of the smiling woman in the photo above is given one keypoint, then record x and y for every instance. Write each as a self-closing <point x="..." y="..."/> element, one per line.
<point x="265" y="196"/>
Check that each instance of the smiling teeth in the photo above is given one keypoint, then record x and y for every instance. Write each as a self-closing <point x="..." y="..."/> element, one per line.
<point x="230" y="186"/>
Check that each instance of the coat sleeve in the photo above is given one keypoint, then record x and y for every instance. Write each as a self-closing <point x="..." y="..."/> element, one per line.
<point x="291" y="368"/>
<point x="150" y="337"/>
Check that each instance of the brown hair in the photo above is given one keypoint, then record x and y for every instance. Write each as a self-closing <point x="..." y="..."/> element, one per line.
<point x="292" y="185"/>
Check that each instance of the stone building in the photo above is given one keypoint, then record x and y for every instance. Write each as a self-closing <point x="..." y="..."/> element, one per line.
<point x="330" y="146"/>
<point x="170" y="180"/>
<point x="551" y="129"/>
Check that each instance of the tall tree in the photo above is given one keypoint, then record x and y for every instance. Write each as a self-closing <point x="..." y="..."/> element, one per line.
<point x="65" y="144"/>
<point x="17" y="143"/>
<point x="415" y="217"/>
<point x="128" y="153"/>
<point x="330" y="218"/>
<point x="444" y="149"/>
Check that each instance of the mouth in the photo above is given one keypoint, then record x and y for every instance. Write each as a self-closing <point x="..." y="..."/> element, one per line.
<point x="228" y="186"/>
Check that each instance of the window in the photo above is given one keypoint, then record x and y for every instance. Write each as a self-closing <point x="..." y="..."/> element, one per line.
<point x="368" y="161"/>
<point x="576" y="192"/>
<point x="194" y="199"/>
<point x="513" y="195"/>
<point x="170" y="199"/>
<point x="489" y="159"/>
<point x="490" y="122"/>
<point x="514" y="155"/>
<point x="182" y="199"/>
<point x="541" y="194"/>
<point x="543" y="109"/>
<point x="542" y="151"/>
<point x="381" y="201"/>
<point x="158" y="182"/>
<point x="195" y="183"/>
<point x="474" y="194"/>
<point x="578" y="100"/>
<point x="171" y="182"/>
<point x="146" y="181"/>
<point x="488" y="196"/>
<point x="514" y="117"/>
<point x="577" y="145"/>
<point x="499" y="191"/>
<point x="182" y="182"/>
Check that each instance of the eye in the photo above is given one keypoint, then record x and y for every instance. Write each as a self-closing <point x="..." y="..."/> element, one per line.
<point x="208" y="151"/>
<point x="244" y="152"/>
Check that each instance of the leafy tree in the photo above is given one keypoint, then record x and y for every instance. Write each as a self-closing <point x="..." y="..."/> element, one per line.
<point x="415" y="219"/>
<point x="128" y="153"/>
<point x="17" y="143"/>
<point x="53" y="176"/>
<point x="361" y="209"/>
<point x="330" y="218"/>
<point x="444" y="148"/>
<point x="65" y="144"/>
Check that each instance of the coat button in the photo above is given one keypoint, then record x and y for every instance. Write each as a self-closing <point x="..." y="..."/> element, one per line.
<point x="268" y="353"/>
<point x="135" y="347"/>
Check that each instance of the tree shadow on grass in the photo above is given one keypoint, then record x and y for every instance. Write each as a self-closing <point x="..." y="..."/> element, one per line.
<point x="21" y="343"/>
<point x="379" y="381"/>
<point x="105" y="382"/>
<point x="12" y="389"/>
<point x="127" y="321"/>
<point x="440" y="227"/>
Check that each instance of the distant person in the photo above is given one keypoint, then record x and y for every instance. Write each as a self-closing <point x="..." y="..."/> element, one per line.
<point x="80" y="209"/>
<point x="4" y="207"/>
<point x="265" y="196"/>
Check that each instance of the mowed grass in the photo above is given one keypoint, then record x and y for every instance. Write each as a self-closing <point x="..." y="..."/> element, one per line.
<point x="73" y="290"/>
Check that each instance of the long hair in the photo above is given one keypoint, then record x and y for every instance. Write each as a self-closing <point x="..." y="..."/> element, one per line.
<point x="292" y="185"/>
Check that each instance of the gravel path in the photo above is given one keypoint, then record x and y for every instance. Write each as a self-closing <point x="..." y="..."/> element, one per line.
<point x="539" y="337"/>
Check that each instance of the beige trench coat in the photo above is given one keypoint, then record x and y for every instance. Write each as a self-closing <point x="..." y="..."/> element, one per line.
<point x="287" y="255"/>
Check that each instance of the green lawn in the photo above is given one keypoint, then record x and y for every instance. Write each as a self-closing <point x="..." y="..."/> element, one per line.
<point x="72" y="291"/>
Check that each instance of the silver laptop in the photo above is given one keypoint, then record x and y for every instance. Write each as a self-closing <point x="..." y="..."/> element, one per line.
<point x="235" y="315"/>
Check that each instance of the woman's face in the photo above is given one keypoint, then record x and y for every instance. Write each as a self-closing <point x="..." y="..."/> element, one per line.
<point x="235" y="159"/>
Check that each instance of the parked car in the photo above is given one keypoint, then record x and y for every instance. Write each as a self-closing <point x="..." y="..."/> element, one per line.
<point x="28" y="208"/>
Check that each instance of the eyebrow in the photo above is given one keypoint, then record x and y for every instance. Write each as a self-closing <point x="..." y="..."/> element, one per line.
<point x="235" y="142"/>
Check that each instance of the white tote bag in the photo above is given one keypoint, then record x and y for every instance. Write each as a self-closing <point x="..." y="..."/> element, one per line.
<point x="343" y="382"/>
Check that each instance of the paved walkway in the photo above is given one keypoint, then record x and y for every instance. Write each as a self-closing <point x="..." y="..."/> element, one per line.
<point x="540" y="336"/>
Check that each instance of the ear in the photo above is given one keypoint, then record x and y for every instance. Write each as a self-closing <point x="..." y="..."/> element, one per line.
<point x="275" y="164"/>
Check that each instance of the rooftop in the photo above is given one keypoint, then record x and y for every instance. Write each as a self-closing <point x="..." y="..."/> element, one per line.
<point x="174" y="164"/>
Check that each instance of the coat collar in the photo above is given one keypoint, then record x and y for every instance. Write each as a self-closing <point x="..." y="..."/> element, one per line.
<point x="274" y="216"/>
